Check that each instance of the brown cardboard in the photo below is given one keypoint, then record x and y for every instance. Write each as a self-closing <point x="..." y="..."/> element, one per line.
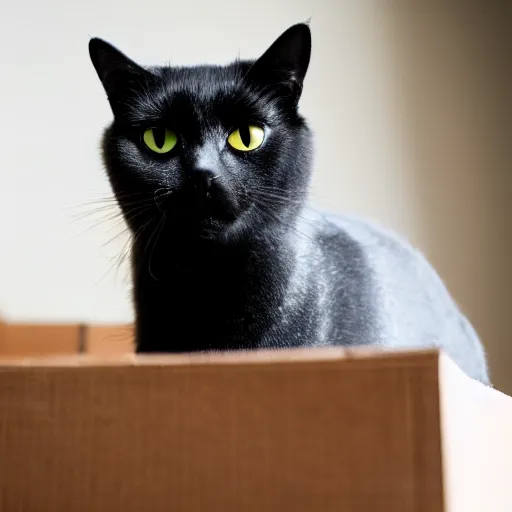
<point x="2" y="335"/>
<point x="38" y="340"/>
<point x="109" y="340"/>
<point x="30" y="340"/>
<point x="307" y="430"/>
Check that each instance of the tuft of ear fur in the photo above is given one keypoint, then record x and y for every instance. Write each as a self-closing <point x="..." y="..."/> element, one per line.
<point x="284" y="65"/>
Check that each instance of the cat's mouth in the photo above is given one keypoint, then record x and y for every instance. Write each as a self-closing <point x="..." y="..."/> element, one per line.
<point x="207" y="205"/>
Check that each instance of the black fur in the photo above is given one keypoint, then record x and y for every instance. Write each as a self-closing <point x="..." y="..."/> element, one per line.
<point x="210" y="272"/>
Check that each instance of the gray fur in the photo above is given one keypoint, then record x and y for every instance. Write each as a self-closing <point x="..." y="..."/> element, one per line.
<point x="395" y="299"/>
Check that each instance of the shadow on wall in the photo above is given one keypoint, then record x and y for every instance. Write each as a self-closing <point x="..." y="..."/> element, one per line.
<point x="453" y="74"/>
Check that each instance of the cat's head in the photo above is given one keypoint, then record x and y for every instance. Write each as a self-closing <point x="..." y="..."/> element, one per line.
<point x="216" y="151"/>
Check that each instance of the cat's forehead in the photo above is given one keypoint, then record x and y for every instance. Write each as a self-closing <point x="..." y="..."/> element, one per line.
<point x="202" y="81"/>
<point x="198" y="94"/>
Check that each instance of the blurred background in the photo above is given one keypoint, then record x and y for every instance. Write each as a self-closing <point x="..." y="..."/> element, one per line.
<point x="410" y="102"/>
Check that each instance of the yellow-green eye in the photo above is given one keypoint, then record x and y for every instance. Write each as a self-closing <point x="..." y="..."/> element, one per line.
<point x="247" y="138"/>
<point x="160" y="140"/>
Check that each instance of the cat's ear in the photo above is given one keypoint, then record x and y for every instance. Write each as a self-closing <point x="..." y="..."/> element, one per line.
<point x="284" y="65"/>
<point x="121" y="77"/>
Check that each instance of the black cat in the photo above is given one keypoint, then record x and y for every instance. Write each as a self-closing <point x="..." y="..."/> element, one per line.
<point x="210" y="166"/>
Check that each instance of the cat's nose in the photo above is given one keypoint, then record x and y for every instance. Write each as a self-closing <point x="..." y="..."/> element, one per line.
<point x="202" y="179"/>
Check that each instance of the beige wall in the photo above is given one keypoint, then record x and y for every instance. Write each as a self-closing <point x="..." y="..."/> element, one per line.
<point x="414" y="146"/>
<point x="53" y="109"/>
<point x="455" y="75"/>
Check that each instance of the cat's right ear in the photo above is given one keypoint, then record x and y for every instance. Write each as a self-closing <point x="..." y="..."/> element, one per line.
<point x="283" y="66"/>
<point x="121" y="77"/>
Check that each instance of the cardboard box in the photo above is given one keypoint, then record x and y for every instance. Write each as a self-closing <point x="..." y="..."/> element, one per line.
<point x="305" y="430"/>
<point x="107" y="340"/>
<point x="34" y="340"/>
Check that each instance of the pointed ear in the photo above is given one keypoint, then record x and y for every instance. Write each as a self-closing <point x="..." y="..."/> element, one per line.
<point x="284" y="65"/>
<point x="120" y="76"/>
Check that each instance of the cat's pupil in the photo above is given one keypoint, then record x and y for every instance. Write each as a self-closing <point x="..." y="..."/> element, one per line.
<point x="245" y="135"/>
<point x="159" y="137"/>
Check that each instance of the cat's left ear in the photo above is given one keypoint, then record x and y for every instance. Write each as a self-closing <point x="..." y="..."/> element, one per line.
<point x="121" y="77"/>
<point x="284" y="65"/>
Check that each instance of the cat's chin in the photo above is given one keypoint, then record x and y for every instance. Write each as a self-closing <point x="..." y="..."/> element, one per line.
<point x="205" y="228"/>
<point x="222" y="231"/>
<point x="211" y="228"/>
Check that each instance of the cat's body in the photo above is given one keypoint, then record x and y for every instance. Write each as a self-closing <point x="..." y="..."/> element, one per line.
<point x="226" y="252"/>
<point x="334" y="280"/>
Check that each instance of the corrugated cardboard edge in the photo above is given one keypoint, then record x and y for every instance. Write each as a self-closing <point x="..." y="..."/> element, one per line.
<point x="477" y="443"/>
<point x="425" y="430"/>
<point x="370" y="354"/>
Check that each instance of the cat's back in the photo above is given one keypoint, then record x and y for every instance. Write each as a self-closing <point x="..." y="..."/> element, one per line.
<point x="413" y="306"/>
